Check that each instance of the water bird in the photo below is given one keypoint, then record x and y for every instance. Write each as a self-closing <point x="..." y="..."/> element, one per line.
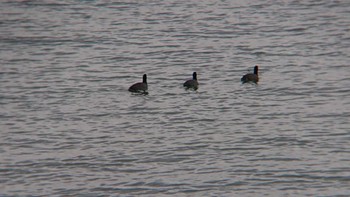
<point x="140" y="87"/>
<point x="251" y="77"/>
<point x="192" y="83"/>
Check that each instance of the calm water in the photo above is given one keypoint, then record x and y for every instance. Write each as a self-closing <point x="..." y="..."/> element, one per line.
<point x="69" y="127"/>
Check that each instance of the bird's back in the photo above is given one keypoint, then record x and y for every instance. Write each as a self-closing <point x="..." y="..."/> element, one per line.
<point x="250" y="77"/>
<point x="138" y="87"/>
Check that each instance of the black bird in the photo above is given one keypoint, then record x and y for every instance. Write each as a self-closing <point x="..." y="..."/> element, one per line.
<point x="192" y="83"/>
<point x="251" y="77"/>
<point x="140" y="87"/>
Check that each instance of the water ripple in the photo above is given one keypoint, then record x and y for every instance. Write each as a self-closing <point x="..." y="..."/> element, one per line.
<point x="69" y="127"/>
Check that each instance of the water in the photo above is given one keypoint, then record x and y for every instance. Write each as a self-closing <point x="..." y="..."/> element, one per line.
<point x="69" y="127"/>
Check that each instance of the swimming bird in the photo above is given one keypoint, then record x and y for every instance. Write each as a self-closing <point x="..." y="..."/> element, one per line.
<point x="192" y="83"/>
<point x="140" y="87"/>
<point x="251" y="77"/>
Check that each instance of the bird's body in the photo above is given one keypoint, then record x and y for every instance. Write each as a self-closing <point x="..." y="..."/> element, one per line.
<point x="192" y="83"/>
<point x="251" y="77"/>
<point x="141" y="87"/>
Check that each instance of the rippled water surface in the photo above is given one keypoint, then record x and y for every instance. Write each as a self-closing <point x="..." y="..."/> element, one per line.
<point x="69" y="127"/>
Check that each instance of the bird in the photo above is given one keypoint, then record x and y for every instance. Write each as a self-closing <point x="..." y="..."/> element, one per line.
<point x="140" y="87"/>
<point x="251" y="77"/>
<point x="192" y="83"/>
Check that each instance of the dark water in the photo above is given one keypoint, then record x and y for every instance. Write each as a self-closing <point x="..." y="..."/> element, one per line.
<point x="69" y="127"/>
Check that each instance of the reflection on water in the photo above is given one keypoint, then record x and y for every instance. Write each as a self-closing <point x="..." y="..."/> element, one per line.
<point x="69" y="126"/>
